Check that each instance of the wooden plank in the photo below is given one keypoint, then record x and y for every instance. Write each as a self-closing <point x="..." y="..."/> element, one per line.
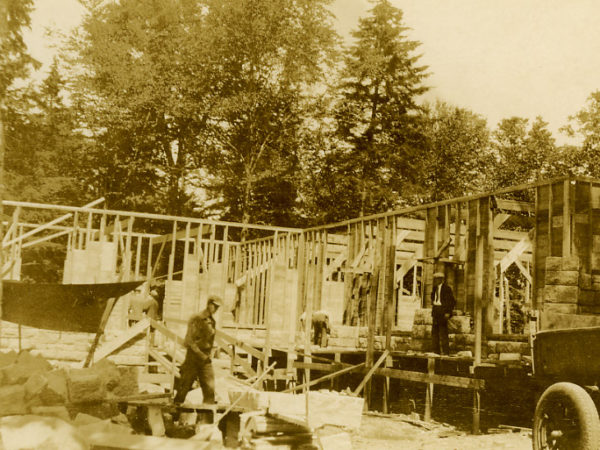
<point x="168" y="365"/>
<point x="247" y="348"/>
<point x="326" y="377"/>
<point x="420" y="377"/>
<point x="125" y="337"/>
<point x="371" y="371"/>
<point x="514" y="205"/>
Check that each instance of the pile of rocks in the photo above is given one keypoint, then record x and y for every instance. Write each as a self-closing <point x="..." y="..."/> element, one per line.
<point x="30" y="384"/>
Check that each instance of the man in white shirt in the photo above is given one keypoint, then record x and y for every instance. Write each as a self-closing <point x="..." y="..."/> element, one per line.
<point x="442" y="304"/>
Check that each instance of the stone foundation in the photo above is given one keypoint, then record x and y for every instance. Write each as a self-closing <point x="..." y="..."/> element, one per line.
<point x="68" y="347"/>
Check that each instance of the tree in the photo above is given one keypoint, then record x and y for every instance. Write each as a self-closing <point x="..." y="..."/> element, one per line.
<point x="378" y="125"/>
<point x="584" y="125"/>
<point x="142" y="91"/>
<point x="15" y="62"/>
<point x="523" y="155"/>
<point x="456" y="158"/>
<point x="270" y="55"/>
<point x="43" y="148"/>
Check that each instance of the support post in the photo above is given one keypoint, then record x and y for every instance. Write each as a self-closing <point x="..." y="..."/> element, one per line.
<point x="429" y="390"/>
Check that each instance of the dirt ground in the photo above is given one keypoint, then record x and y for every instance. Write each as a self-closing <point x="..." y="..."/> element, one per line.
<point x="383" y="433"/>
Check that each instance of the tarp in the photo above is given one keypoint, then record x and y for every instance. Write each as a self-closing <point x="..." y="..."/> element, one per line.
<point x="60" y="307"/>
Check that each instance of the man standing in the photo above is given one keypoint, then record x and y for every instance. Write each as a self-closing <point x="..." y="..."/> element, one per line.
<point x="199" y="341"/>
<point x="442" y="301"/>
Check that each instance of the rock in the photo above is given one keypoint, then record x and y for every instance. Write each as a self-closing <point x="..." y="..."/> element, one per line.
<point x="35" y="384"/>
<point x="52" y="411"/>
<point x="553" y="263"/>
<point x="7" y="358"/>
<point x="108" y="373"/>
<point x="459" y="325"/>
<point x="562" y="277"/>
<point x="36" y="432"/>
<point x="128" y="382"/>
<point x="25" y="365"/>
<point x="423" y="317"/>
<point x="85" y="385"/>
<point x="561" y="294"/>
<point x="509" y="347"/>
<point x="509" y="357"/>
<point x="55" y="391"/>
<point x="12" y="400"/>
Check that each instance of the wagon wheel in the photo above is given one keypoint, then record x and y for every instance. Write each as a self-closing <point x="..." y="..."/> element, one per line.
<point x="566" y="418"/>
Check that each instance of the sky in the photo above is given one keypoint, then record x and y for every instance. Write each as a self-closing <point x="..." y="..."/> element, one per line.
<point x="498" y="58"/>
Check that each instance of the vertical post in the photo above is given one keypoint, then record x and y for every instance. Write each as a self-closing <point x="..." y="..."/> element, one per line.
<point x="429" y="390"/>
<point x="388" y="295"/>
<point x="501" y="299"/>
<point x="566" y="237"/>
<point x="476" y="410"/>
<point x="307" y="342"/>
<point x="3" y="34"/>
<point x="478" y="300"/>
<point x="507" y="304"/>
<point x="294" y="309"/>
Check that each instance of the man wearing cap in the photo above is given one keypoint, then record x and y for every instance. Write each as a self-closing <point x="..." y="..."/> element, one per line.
<point x="442" y="303"/>
<point x="199" y="341"/>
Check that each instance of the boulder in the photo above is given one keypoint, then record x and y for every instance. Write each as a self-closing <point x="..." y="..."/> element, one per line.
<point x="55" y="392"/>
<point x="35" y="384"/>
<point x="24" y="366"/>
<point x="459" y="325"/>
<point x="85" y="385"/>
<point x="128" y="382"/>
<point x="7" y="358"/>
<point x="12" y="400"/>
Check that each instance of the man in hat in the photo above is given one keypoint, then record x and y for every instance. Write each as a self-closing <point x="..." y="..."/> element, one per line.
<point x="199" y="341"/>
<point x="442" y="303"/>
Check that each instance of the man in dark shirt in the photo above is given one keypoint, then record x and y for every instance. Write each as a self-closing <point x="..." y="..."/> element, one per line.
<point x="199" y="341"/>
<point x="442" y="303"/>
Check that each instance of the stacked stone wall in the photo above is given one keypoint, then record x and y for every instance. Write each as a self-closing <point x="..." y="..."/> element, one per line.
<point x="68" y="347"/>
<point x="571" y="296"/>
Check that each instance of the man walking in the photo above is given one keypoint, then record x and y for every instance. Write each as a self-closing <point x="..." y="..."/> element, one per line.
<point x="442" y="301"/>
<point x="199" y="341"/>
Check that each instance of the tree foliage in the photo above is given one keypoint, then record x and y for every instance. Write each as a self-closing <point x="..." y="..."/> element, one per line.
<point x="455" y="157"/>
<point x="270" y="55"/>
<point x="377" y="119"/>
<point x="523" y="153"/>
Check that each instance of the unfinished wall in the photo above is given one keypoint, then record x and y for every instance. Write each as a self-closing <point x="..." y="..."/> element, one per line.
<point x="567" y="257"/>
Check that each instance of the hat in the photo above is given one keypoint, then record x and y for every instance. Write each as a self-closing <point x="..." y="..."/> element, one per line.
<point x="215" y="300"/>
<point x="439" y="275"/>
